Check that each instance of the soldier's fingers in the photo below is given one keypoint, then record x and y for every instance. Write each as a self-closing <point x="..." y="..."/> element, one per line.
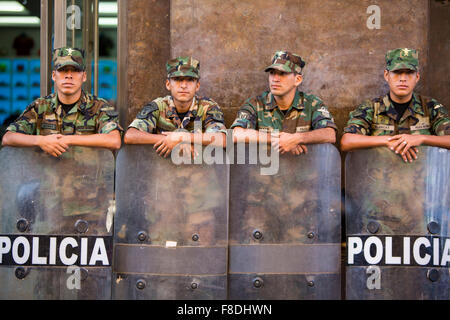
<point x="409" y="156"/>
<point x="395" y="144"/>
<point x="167" y="152"/>
<point x="64" y="145"/>
<point x="305" y="149"/>
<point x="157" y="144"/>
<point x="396" y="137"/>
<point x="413" y="153"/>
<point x="399" y="148"/>
<point x="406" y="148"/>
<point x="61" y="149"/>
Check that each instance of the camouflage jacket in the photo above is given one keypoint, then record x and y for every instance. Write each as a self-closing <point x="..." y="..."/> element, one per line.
<point x="161" y="115"/>
<point x="46" y="116"/>
<point x="306" y="113"/>
<point x="378" y="117"/>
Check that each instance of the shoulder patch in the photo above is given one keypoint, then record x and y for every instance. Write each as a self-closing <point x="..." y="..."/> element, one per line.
<point x="147" y="109"/>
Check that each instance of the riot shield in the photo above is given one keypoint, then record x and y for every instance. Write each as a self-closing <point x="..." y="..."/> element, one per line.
<point x="285" y="240"/>
<point x="396" y="217"/>
<point x="56" y="223"/>
<point x="171" y="227"/>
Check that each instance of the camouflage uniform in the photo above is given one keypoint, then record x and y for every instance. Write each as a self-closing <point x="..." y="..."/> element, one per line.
<point x="161" y="114"/>
<point x="378" y="116"/>
<point x="89" y="115"/>
<point x="306" y="113"/>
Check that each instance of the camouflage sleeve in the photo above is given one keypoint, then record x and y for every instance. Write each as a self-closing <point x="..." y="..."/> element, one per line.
<point x="26" y="122"/>
<point x="214" y="121"/>
<point x="147" y="118"/>
<point x="360" y="119"/>
<point x="321" y="116"/>
<point x="440" y="119"/>
<point x="246" y="117"/>
<point x="108" y="120"/>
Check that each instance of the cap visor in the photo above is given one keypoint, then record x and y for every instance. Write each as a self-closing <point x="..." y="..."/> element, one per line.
<point x="74" y="64"/>
<point x="280" y="67"/>
<point x="184" y="74"/>
<point x="401" y="66"/>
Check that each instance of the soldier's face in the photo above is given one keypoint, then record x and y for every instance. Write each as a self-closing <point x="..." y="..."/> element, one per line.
<point x="182" y="89"/>
<point x="282" y="83"/>
<point x="68" y="80"/>
<point x="401" y="82"/>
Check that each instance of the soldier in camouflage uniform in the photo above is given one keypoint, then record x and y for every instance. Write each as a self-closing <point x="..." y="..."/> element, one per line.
<point x="68" y="117"/>
<point x="302" y="118"/>
<point x="168" y="121"/>
<point x="402" y="119"/>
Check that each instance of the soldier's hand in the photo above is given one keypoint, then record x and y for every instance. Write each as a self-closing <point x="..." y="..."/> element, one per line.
<point x="52" y="144"/>
<point x="405" y="145"/>
<point x="299" y="149"/>
<point x="403" y="142"/>
<point x="288" y="142"/>
<point x="165" y="145"/>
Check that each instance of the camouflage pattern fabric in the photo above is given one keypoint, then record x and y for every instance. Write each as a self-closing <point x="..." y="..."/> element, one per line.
<point x="306" y="113"/>
<point x="68" y="57"/>
<point x="402" y="59"/>
<point x="429" y="117"/>
<point x="183" y="67"/>
<point x="45" y="116"/>
<point x="161" y="115"/>
<point x="287" y="62"/>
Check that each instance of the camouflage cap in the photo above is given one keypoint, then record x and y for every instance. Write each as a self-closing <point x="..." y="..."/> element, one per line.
<point x="402" y="58"/>
<point x="183" y="67"/>
<point x="287" y="62"/>
<point x="68" y="57"/>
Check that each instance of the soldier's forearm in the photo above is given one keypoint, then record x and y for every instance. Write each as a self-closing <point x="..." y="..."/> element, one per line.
<point x="352" y="141"/>
<point x="16" y="139"/>
<point x="437" y="141"/>
<point x="241" y="135"/>
<point x="324" y="135"/>
<point x="135" y="136"/>
<point x="103" y="140"/>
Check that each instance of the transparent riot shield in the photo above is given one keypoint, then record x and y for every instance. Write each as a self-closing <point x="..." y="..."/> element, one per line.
<point x="285" y="239"/>
<point x="171" y="227"/>
<point x="396" y="217"/>
<point x="56" y="223"/>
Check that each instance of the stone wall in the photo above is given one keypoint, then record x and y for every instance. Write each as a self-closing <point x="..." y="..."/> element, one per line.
<point x="235" y="39"/>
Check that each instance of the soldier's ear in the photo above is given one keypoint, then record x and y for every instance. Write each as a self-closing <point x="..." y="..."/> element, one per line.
<point x="386" y="75"/>
<point x="298" y="79"/>
<point x="53" y="75"/>
<point x="197" y="86"/>
<point x="168" y="84"/>
<point x="84" y="76"/>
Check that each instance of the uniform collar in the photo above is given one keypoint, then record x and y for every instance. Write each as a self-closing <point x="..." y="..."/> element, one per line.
<point x="388" y="108"/>
<point x="270" y="102"/>
<point x="79" y="105"/>
<point x="192" y="112"/>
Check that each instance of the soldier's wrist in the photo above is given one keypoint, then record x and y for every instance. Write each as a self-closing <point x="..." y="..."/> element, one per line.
<point x="299" y="138"/>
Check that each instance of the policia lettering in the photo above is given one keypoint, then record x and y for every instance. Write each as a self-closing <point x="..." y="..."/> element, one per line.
<point x="55" y="250"/>
<point x="373" y="251"/>
<point x="396" y="250"/>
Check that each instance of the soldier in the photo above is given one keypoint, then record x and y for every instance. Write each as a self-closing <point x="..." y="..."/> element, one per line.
<point x="402" y="119"/>
<point x="68" y="117"/>
<point x="168" y="121"/>
<point x="302" y="118"/>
